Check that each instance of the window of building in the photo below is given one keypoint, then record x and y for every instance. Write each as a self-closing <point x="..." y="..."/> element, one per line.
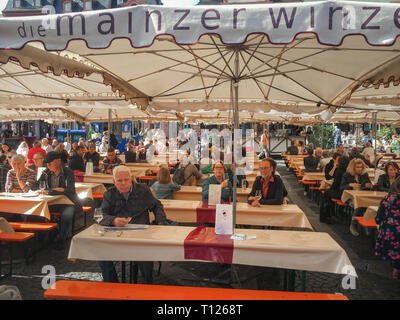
<point x="119" y="2"/>
<point x="36" y="3"/>
<point x="67" y="6"/>
<point x="87" y="5"/>
<point x="17" y="3"/>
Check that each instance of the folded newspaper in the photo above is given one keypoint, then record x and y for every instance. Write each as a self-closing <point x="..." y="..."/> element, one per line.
<point x="128" y="227"/>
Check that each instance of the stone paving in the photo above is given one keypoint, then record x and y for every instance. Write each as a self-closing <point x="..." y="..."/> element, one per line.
<point x="373" y="282"/>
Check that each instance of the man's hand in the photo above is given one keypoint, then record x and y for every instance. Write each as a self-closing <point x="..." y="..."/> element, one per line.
<point x="58" y="189"/>
<point x="121" y="222"/>
<point x="368" y="185"/>
<point x="224" y="184"/>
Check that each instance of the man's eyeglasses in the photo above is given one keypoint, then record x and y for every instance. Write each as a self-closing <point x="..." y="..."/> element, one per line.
<point x="218" y="167"/>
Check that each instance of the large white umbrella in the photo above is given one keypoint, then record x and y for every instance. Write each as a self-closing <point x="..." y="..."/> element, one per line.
<point x="297" y="57"/>
<point x="290" y="56"/>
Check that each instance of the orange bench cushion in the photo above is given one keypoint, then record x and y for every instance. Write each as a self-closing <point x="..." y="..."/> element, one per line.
<point x="89" y="290"/>
<point x="367" y="224"/>
<point x="32" y="226"/>
<point x="16" y="237"/>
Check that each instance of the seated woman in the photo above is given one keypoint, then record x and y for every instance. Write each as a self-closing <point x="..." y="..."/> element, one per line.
<point x="218" y="178"/>
<point x="63" y="153"/>
<point x="23" y="149"/>
<point x="391" y="173"/>
<point x="164" y="187"/>
<point x="369" y="152"/>
<point x="388" y="220"/>
<point x="356" y="178"/>
<point x="130" y="154"/>
<point x="20" y="178"/>
<point x="269" y="186"/>
<point x="331" y="167"/>
<point x="334" y="192"/>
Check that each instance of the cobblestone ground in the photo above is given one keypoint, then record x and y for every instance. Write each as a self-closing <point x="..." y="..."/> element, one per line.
<point x="373" y="282"/>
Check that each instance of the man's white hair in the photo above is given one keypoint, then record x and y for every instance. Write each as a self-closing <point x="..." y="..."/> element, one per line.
<point x="121" y="169"/>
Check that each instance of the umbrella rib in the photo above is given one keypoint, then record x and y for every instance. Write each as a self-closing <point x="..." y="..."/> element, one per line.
<point x="117" y="77"/>
<point x="208" y="62"/>
<point x="18" y="81"/>
<point x="285" y="75"/>
<point x="278" y="73"/>
<point x="285" y="49"/>
<point x="259" y="87"/>
<point x="201" y="75"/>
<point x="61" y="81"/>
<point x="302" y="64"/>
<point x="178" y="64"/>
<point x="251" y="56"/>
<point x="219" y="77"/>
<point x="193" y="75"/>
<point x="223" y="57"/>
<point x="289" y="93"/>
<point x="130" y="52"/>
<point x="275" y="69"/>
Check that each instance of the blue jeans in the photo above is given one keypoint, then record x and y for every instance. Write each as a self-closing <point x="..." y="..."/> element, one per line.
<point x="110" y="274"/>
<point x="67" y="217"/>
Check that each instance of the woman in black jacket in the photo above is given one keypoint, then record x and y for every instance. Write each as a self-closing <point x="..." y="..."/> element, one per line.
<point x="356" y="178"/>
<point x="386" y="180"/>
<point x="334" y="192"/>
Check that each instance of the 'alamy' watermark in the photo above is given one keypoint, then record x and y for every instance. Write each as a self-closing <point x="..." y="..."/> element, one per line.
<point x="349" y="281"/>
<point x="49" y="279"/>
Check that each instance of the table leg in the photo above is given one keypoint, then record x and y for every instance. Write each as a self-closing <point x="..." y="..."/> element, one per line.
<point x="123" y="271"/>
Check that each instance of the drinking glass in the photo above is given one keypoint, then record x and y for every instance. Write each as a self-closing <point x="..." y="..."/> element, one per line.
<point x="42" y="187"/>
<point x="98" y="216"/>
<point x="258" y="195"/>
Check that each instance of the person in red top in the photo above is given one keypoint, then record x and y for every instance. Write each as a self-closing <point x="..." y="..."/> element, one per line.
<point x="37" y="147"/>
<point x="267" y="188"/>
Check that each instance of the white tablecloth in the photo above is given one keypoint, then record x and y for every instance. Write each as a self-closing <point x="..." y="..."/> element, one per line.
<point x="308" y="251"/>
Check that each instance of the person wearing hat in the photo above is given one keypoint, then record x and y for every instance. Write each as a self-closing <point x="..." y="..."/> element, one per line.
<point x="60" y="180"/>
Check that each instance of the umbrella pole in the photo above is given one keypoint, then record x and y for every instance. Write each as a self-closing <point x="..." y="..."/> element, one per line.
<point x="374" y="116"/>
<point x="235" y="83"/>
<point x="109" y="129"/>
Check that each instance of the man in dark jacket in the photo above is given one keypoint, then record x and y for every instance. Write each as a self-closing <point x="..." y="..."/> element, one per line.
<point x="76" y="161"/>
<point x="125" y="203"/>
<point x="269" y="186"/>
<point x="293" y="150"/>
<point x="93" y="156"/>
<point x="110" y="162"/>
<point x="60" y="180"/>
<point x="311" y="162"/>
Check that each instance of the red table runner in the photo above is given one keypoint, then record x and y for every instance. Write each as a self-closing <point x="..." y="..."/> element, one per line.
<point x="206" y="213"/>
<point x="203" y="244"/>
